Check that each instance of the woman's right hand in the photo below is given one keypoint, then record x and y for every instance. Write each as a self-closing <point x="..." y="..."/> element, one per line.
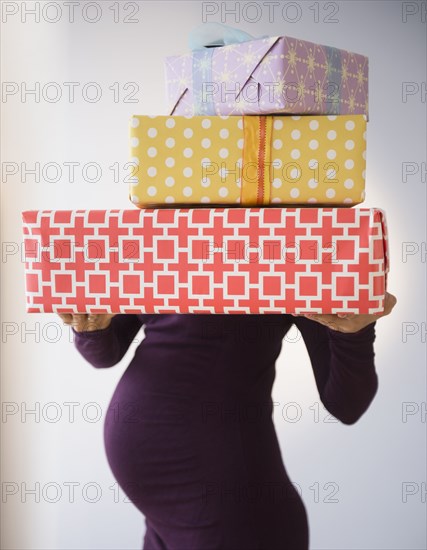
<point x="83" y="322"/>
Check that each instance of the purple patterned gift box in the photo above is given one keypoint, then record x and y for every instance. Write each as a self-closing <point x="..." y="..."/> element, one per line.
<point x="269" y="75"/>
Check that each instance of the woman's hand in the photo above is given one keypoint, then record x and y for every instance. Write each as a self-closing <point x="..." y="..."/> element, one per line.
<point x="351" y="322"/>
<point x="82" y="322"/>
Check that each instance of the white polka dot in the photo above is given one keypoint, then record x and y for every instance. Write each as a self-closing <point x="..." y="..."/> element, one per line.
<point x="348" y="184"/>
<point x="188" y="172"/>
<point x="169" y="199"/>
<point x="135" y="199"/>
<point x="295" y="134"/>
<point x="135" y="182"/>
<point x="331" y="135"/>
<point x="188" y="133"/>
<point x="170" y="142"/>
<point x="223" y="173"/>
<point x="152" y="171"/>
<point x="205" y="199"/>
<point x="278" y="124"/>
<point x="151" y="191"/>
<point x="363" y="195"/>
<point x="313" y="144"/>
<point x="170" y="123"/>
<point x="223" y="153"/>
<point x="277" y="163"/>
<point x="240" y="124"/>
<point x="152" y="132"/>
<point x="276" y="199"/>
<point x="134" y="142"/>
<point x="295" y="173"/>
<point x="312" y="183"/>
<point x="206" y="143"/>
<point x="332" y="117"/>
<point x="240" y="143"/>
<point x="223" y="191"/>
<point x="170" y="162"/>
<point x="206" y="123"/>
<point x="170" y="181"/>
<point x="206" y="162"/>
<point x="364" y="155"/>
<point x="151" y="151"/>
<point x="313" y="164"/>
<point x="277" y="182"/>
<point x="224" y="133"/>
<point x="364" y="174"/>
<point x="134" y="122"/>
<point x="277" y="144"/>
<point x="314" y="124"/>
<point x="347" y="201"/>
<point x="349" y="125"/>
<point x="295" y="153"/>
<point x="331" y="173"/>
<point x="330" y="193"/>
<point x="312" y="200"/>
<point x="294" y="193"/>
<point x="188" y="152"/>
<point x="206" y="182"/>
<point x="134" y="160"/>
<point x="349" y="164"/>
<point x="187" y="191"/>
<point x="349" y="144"/>
<point x="239" y="163"/>
<point x="238" y="183"/>
<point x="331" y="154"/>
<point x="295" y="117"/>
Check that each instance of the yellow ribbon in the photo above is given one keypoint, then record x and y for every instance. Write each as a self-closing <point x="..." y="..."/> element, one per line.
<point x="255" y="180"/>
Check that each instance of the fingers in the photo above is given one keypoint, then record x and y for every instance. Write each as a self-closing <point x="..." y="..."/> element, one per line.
<point x="389" y="303"/>
<point x="83" y="322"/>
<point x="329" y="321"/>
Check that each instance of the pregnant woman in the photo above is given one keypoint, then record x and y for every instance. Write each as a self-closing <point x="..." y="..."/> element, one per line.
<point x="189" y="433"/>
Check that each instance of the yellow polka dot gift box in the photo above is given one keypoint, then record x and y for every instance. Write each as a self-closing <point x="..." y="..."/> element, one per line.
<point x="248" y="160"/>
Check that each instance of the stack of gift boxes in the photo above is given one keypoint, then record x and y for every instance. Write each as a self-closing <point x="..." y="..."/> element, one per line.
<point x="245" y="196"/>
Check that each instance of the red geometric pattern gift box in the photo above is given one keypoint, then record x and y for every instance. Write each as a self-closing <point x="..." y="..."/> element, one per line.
<point x="206" y="260"/>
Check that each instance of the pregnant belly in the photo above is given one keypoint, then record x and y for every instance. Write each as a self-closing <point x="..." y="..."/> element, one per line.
<point x="188" y="467"/>
<point x="152" y="449"/>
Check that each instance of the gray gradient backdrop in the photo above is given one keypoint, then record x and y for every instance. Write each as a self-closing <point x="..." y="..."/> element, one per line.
<point x="373" y="472"/>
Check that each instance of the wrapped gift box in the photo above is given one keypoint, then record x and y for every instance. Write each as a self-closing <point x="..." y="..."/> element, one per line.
<point x="270" y="75"/>
<point x="206" y="260"/>
<point x="249" y="160"/>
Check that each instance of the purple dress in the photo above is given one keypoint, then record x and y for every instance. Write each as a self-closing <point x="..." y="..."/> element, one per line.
<point x="189" y="433"/>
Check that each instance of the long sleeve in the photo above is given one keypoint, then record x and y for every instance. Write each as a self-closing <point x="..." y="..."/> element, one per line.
<point x="105" y="348"/>
<point x="343" y="366"/>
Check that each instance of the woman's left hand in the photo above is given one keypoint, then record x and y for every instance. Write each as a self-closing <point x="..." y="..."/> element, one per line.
<point x="352" y="322"/>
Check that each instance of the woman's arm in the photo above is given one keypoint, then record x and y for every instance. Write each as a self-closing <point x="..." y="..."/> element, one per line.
<point x="106" y="347"/>
<point x="343" y="366"/>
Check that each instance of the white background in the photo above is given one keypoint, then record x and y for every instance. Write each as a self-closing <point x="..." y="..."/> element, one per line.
<point x="368" y="463"/>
